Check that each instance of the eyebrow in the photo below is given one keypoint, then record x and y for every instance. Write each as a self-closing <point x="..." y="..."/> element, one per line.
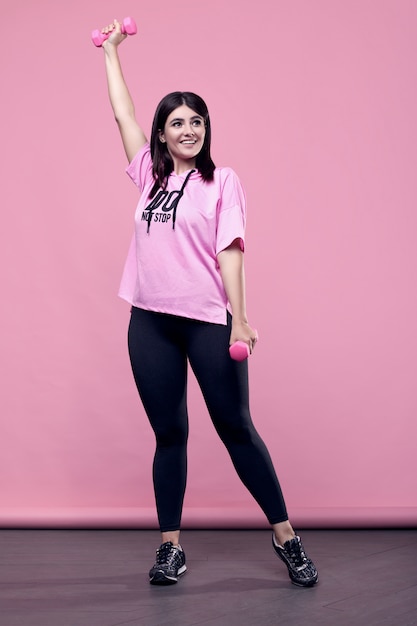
<point x="181" y="119"/>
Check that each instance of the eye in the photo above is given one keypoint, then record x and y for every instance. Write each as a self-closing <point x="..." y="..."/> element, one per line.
<point x="176" y="124"/>
<point x="197" y="122"/>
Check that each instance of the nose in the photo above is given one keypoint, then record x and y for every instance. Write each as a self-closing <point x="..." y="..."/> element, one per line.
<point x="189" y="129"/>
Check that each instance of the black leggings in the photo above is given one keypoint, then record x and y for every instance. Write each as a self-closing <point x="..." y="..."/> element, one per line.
<point x="159" y="346"/>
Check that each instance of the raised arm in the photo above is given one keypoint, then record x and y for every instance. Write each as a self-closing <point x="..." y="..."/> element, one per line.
<point x="132" y="135"/>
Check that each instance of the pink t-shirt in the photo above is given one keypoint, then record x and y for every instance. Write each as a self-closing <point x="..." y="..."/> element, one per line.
<point x="175" y="270"/>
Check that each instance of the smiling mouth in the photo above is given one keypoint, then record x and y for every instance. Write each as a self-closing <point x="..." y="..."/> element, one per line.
<point x="187" y="141"/>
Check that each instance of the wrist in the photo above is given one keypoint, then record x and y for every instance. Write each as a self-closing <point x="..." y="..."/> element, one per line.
<point x="240" y="320"/>
<point x="110" y="47"/>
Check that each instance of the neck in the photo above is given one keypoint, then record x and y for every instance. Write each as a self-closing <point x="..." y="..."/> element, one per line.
<point x="183" y="166"/>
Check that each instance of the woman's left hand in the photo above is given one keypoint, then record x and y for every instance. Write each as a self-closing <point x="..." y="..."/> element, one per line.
<point x="241" y="331"/>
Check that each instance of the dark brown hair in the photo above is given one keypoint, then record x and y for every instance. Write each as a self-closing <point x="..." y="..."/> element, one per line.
<point x="161" y="159"/>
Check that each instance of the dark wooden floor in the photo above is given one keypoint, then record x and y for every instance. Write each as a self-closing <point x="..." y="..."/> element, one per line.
<point x="99" y="578"/>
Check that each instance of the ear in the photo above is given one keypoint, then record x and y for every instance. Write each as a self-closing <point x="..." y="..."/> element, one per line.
<point x="161" y="137"/>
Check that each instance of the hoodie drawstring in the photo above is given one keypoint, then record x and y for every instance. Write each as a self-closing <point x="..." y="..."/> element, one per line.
<point x="156" y="202"/>
<point x="174" y="215"/>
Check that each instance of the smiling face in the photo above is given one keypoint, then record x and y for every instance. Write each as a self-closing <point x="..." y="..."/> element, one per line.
<point x="184" y="134"/>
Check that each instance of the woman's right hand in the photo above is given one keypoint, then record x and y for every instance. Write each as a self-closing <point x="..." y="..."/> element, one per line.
<point x="115" y="37"/>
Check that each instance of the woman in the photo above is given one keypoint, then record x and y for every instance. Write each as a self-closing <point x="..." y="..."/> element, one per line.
<point x="183" y="273"/>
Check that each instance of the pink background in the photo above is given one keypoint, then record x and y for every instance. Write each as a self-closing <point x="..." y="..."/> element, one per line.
<point x="313" y="103"/>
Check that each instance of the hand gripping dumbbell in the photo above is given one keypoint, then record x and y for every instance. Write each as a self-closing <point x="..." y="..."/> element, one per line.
<point x="128" y="27"/>
<point x="239" y="351"/>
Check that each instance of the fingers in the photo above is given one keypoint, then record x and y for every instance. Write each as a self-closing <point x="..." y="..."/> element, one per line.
<point x="253" y="341"/>
<point x="113" y="33"/>
<point x="246" y="334"/>
<point x="110" y="28"/>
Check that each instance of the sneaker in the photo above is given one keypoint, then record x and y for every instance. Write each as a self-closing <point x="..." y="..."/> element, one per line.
<point x="169" y="565"/>
<point x="300" y="568"/>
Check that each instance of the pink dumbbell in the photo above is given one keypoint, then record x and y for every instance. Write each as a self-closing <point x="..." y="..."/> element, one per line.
<point x="239" y="351"/>
<point x="128" y="27"/>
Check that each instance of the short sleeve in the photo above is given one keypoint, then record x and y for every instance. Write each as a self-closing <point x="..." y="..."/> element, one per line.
<point x="231" y="219"/>
<point x="140" y="168"/>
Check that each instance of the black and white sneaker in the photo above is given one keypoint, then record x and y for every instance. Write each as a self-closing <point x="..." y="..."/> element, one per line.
<point x="301" y="569"/>
<point x="169" y="565"/>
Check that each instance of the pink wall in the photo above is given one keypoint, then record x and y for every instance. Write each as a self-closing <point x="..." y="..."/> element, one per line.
<point x="313" y="103"/>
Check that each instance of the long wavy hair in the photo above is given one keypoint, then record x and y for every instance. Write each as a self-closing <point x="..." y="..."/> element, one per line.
<point x="162" y="161"/>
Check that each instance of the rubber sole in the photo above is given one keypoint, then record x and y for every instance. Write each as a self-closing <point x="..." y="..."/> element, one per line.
<point x="160" y="577"/>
